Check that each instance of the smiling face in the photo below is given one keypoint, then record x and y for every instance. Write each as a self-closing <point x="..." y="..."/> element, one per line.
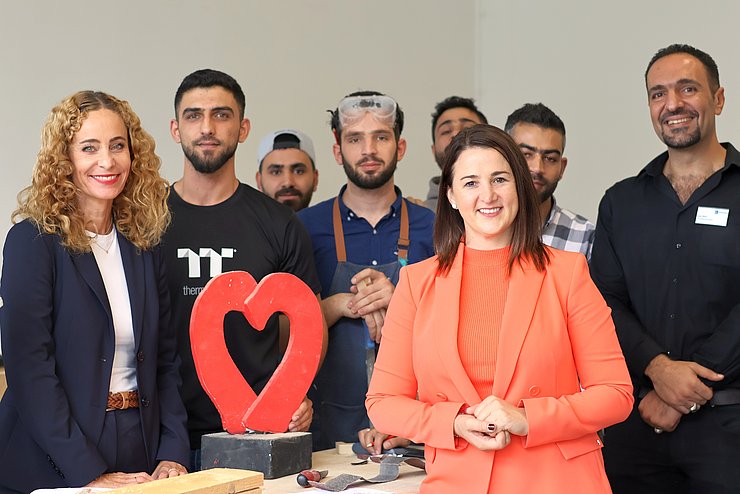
<point x="369" y="152"/>
<point x="101" y="157"/>
<point x="484" y="193"/>
<point x="288" y="176"/>
<point x="682" y="103"/>
<point x="208" y="128"/>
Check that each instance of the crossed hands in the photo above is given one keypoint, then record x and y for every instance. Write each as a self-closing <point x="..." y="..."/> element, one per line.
<point x="489" y="425"/>
<point x="164" y="470"/>
<point x="368" y="298"/>
<point x="677" y="391"/>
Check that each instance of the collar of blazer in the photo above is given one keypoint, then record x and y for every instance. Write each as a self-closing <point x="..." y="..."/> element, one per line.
<point x="524" y="289"/>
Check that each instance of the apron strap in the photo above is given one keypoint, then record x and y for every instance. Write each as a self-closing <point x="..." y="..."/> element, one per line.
<point x="339" y="233"/>
<point x="403" y="238"/>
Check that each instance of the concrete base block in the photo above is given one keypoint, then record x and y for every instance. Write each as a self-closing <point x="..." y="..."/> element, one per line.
<point x="275" y="455"/>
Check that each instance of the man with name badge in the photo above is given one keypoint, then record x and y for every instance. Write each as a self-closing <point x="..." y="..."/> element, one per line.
<point x="667" y="259"/>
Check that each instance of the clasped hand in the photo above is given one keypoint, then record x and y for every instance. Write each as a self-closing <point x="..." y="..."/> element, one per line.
<point x="372" y="291"/>
<point x="488" y="426"/>
<point x="677" y="391"/>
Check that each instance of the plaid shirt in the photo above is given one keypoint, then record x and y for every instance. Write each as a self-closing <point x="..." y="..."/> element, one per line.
<point x="566" y="230"/>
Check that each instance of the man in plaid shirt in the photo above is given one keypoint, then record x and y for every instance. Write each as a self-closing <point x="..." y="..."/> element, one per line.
<point x="541" y="137"/>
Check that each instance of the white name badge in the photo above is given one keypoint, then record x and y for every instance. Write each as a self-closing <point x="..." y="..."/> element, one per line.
<point x="712" y="216"/>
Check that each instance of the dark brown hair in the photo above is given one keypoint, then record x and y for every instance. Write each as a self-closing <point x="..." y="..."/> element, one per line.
<point x="449" y="229"/>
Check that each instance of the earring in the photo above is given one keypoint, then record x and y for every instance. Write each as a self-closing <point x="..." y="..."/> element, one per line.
<point x="454" y="206"/>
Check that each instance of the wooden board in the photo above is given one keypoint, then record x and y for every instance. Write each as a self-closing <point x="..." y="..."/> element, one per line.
<point x="3" y="384"/>
<point x="213" y="481"/>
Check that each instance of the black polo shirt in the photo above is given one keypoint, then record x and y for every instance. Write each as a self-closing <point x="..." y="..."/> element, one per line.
<point x="671" y="271"/>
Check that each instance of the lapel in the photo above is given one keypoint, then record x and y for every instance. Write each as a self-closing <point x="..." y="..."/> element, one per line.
<point x="88" y="269"/>
<point x="525" y="284"/>
<point x="446" y="319"/>
<point x="134" y="269"/>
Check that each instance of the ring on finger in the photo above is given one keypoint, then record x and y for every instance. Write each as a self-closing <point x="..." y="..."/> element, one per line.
<point x="694" y="407"/>
<point x="658" y="430"/>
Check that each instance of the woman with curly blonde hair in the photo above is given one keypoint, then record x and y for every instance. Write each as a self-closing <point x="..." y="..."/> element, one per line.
<point x="92" y="371"/>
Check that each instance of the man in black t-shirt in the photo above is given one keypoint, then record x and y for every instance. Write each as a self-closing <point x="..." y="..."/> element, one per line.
<point x="219" y="225"/>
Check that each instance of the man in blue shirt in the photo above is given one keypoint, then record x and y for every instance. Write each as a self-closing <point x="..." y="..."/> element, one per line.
<point x="361" y="239"/>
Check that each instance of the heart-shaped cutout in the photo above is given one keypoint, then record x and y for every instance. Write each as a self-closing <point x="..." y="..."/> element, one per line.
<point x="236" y="401"/>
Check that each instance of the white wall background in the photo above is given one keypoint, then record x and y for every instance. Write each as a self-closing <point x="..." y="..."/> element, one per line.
<point x="294" y="59"/>
<point x="586" y="61"/>
<point x="297" y="58"/>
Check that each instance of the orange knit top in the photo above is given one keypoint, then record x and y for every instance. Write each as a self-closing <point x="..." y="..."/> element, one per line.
<point x="482" y="297"/>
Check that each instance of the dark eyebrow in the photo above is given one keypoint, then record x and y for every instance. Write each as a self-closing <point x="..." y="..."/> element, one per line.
<point x="541" y="151"/>
<point x="679" y="82"/>
<point x="222" y="108"/>
<point x="298" y="165"/>
<point x="201" y="110"/>
<point x="450" y="120"/>
<point x="493" y="174"/>
<point x="192" y="110"/>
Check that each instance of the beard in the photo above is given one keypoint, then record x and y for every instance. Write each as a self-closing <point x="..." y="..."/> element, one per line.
<point x="548" y="188"/>
<point x="370" y="181"/>
<point x="295" y="204"/>
<point x="684" y="138"/>
<point x="208" y="163"/>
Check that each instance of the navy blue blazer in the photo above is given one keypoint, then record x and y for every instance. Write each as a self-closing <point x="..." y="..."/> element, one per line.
<point x="58" y="344"/>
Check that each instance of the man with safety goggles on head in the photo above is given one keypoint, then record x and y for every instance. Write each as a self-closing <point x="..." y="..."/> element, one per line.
<point x="361" y="238"/>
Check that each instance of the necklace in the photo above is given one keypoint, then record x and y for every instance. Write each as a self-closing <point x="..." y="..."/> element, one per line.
<point x="103" y="241"/>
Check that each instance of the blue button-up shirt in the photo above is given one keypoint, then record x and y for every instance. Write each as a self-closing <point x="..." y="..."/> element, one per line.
<point x="366" y="245"/>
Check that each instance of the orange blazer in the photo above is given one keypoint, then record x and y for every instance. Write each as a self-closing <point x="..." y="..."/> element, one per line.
<point x="558" y="356"/>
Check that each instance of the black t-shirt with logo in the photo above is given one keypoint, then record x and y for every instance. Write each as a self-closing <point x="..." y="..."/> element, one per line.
<point x="248" y="232"/>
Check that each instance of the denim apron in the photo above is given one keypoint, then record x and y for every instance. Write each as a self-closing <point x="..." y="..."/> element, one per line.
<point x="341" y="383"/>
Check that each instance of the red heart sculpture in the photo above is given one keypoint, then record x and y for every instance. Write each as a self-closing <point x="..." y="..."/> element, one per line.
<point x="239" y="406"/>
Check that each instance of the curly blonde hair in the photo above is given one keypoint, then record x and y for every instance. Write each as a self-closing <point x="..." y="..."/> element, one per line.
<point x="140" y="212"/>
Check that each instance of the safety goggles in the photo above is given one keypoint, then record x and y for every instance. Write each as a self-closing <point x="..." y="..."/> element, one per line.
<point x="353" y="108"/>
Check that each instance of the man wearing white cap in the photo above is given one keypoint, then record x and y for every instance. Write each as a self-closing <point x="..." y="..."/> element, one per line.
<point x="287" y="168"/>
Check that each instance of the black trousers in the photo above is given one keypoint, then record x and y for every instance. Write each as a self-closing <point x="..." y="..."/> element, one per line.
<point x="701" y="456"/>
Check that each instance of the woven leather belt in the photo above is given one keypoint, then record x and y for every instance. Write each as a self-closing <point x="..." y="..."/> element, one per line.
<point x="122" y="400"/>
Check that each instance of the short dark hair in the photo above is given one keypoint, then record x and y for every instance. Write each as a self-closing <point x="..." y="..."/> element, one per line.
<point x="336" y="126"/>
<point x="536" y="114"/>
<point x="707" y="61"/>
<point x="454" y="102"/>
<point x="449" y="228"/>
<point x="207" y="78"/>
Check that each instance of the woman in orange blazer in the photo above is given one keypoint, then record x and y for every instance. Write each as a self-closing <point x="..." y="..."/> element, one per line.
<point x="499" y="353"/>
